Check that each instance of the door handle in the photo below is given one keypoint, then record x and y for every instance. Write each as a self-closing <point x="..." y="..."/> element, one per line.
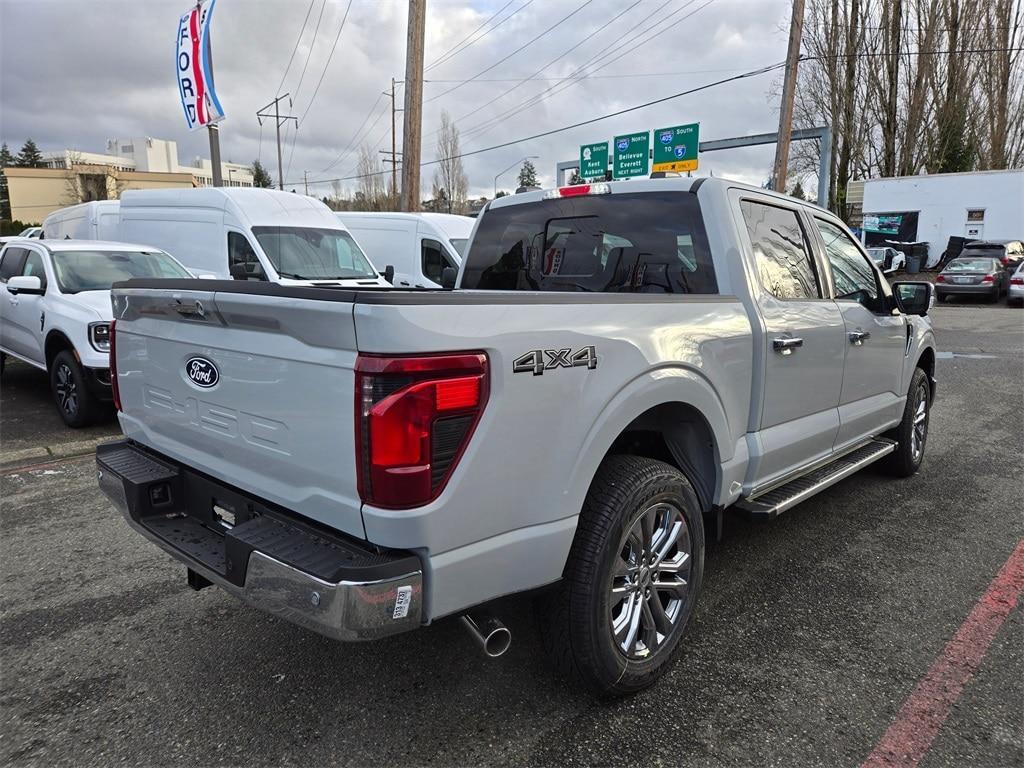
<point x="786" y="345"/>
<point x="857" y="338"/>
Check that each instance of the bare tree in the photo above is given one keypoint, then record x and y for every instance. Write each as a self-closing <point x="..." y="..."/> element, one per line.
<point x="1001" y="129"/>
<point x="450" y="176"/>
<point x="371" y="194"/>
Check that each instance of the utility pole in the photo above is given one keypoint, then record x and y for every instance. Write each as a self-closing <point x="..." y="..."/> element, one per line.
<point x="305" y="181"/>
<point x="393" y="195"/>
<point x="278" y="117"/>
<point x="413" y="119"/>
<point x="796" y="26"/>
<point x="218" y="173"/>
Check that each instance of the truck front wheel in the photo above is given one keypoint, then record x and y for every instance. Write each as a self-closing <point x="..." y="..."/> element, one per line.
<point x="76" y="404"/>
<point x="631" y="582"/>
<point x="912" y="432"/>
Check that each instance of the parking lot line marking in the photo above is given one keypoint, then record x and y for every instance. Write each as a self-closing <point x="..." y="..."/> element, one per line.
<point x="46" y="464"/>
<point x="922" y="715"/>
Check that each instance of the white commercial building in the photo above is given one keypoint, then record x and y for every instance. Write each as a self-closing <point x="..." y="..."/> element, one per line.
<point x="151" y="155"/>
<point x="979" y="205"/>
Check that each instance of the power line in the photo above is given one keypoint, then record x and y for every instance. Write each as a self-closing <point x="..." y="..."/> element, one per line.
<point x="355" y="136"/>
<point x="297" y="41"/>
<point x="328" y="63"/>
<point x="580" y="124"/>
<point x="309" y="53"/>
<point x="517" y="50"/>
<point x="596" y="77"/>
<point x="625" y="45"/>
<point x="444" y="56"/>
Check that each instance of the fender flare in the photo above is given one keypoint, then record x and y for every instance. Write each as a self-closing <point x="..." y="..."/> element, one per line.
<point x="659" y="386"/>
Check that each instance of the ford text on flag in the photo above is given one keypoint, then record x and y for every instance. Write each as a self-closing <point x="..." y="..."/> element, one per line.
<point x="195" y="68"/>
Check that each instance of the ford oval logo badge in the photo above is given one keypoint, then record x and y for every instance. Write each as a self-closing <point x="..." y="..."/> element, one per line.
<point x="202" y="372"/>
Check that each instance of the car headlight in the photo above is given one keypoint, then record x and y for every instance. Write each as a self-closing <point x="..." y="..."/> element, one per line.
<point x="99" y="336"/>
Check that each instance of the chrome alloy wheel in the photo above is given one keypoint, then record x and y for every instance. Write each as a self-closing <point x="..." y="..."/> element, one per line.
<point x="650" y="580"/>
<point x="67" y="390"/>
<point x="919" y="431"/>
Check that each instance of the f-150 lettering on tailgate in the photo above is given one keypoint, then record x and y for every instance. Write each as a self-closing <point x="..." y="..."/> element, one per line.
<point x="221" y="420"/>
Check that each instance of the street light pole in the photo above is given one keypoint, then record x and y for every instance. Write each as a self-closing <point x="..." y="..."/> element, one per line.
<point x="517" y="162"/>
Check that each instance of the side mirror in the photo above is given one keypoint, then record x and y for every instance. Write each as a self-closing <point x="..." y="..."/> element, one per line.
<point x="913" y="298"/>
<point x="25" y="284"/>
<point x="448" y="277"/>
<point x="389" y="273"/>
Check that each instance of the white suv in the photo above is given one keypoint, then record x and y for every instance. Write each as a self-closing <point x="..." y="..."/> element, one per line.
<point x="55" y="312"/>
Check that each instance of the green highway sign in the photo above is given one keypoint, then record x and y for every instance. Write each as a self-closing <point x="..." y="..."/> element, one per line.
<point x="676" y="148"/>
<point x="594" y="160"/>
<point x="632" y="152"/>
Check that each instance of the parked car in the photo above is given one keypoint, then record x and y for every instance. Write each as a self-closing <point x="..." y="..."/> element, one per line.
<point x="888" y="259"/>
<point x="1009" y="253"/>
<point x="972" y="276"/>
<point x="418" y="245"/>
<point x="619" y="363"/>
<point x="245" y="234"/>
<point x="33" y="233"/>
<point x="1015" y="294"/>
<point x="55" y="312"/>
<point x="96" y="220"/>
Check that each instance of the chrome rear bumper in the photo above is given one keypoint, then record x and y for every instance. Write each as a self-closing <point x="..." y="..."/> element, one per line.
<point x="347" y="608"/>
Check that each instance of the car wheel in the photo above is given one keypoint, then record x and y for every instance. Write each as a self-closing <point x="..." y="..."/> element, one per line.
<point x="615" y="621"/>
<point x="74" y="401"/>
<point x="912" y="433"/>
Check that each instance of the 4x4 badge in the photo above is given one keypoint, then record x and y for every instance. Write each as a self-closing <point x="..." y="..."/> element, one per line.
<point x="534" y="361"/>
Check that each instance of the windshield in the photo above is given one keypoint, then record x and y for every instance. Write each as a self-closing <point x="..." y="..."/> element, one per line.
<point x="459" y="244"/>
<point x="312" y="253"/>
<point x="98" y="270"/>
<point x="970" y="265"/>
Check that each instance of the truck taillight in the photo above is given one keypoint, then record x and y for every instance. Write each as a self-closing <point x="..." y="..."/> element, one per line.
<point x="414" y="418"/>
<point x="113" y="366"/>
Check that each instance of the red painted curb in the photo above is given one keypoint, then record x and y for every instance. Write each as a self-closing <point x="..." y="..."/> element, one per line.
<point x="922" y="715"/>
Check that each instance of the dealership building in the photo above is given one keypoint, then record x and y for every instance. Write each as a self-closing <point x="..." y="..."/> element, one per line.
<point x="932" y="208"/>
<point x="72" y="176"/>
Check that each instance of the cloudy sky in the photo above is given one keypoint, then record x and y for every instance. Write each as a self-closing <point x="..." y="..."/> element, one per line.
<point x="74" y="74"/>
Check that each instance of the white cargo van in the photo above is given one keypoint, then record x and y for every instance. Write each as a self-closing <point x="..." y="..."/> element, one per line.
<point x="418" y="245"/>
<point x="247" y="234"/>
<point x="96" y="220"/>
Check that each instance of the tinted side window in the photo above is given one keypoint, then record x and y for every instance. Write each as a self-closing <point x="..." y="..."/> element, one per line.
<point x="34" y="266"/>
<point x="240" y="252"/>
<point x="632" y="242"/>
<point x="13" y="260"/>
<point x="434" y="260"/>
<point x="852" y="274"/>
<point x="783" y="257"/>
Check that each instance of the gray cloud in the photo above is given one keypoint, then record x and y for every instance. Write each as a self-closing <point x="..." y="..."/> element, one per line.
<point x="73" y="74"/>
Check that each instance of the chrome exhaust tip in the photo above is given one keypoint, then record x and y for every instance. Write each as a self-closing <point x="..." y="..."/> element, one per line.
<point x="488" y="631"/>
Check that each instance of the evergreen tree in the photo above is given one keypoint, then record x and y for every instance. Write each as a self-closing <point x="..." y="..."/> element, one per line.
<point x="260" y="177"/>
<point x="798" y="191"/>
<point x="29" y="156"/>
<point x="6" y="158"/>
<point x="527" y="175"/>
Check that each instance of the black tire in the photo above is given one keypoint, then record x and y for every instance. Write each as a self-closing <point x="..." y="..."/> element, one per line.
<point x="577" y="619"/>
<point x="906" y="459"/>
<point x="75" y="403"/>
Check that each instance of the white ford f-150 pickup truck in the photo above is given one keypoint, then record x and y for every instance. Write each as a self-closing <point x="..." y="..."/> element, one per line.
<point x="618" y="364"/>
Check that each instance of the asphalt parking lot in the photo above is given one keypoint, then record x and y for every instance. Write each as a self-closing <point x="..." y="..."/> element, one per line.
<point x="811" y="635"/>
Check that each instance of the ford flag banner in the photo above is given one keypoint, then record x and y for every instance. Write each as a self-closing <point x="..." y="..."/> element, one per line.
<point x="195" y="68"/>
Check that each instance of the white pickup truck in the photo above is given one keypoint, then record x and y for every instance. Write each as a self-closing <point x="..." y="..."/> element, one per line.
<point x="618" y="364"/>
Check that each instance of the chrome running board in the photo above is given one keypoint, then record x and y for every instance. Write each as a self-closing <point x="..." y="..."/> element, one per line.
<point x="773" y="502"/>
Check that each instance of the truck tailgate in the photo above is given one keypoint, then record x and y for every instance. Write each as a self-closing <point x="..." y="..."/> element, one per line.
<point x="275" y="416"/>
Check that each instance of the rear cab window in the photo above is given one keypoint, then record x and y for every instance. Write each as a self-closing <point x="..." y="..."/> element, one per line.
<point x="636" y="242"/>
<point x="782" y="253"/>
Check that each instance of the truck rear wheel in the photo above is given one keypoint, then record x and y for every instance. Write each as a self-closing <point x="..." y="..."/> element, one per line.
<point x="631" y="582"/>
